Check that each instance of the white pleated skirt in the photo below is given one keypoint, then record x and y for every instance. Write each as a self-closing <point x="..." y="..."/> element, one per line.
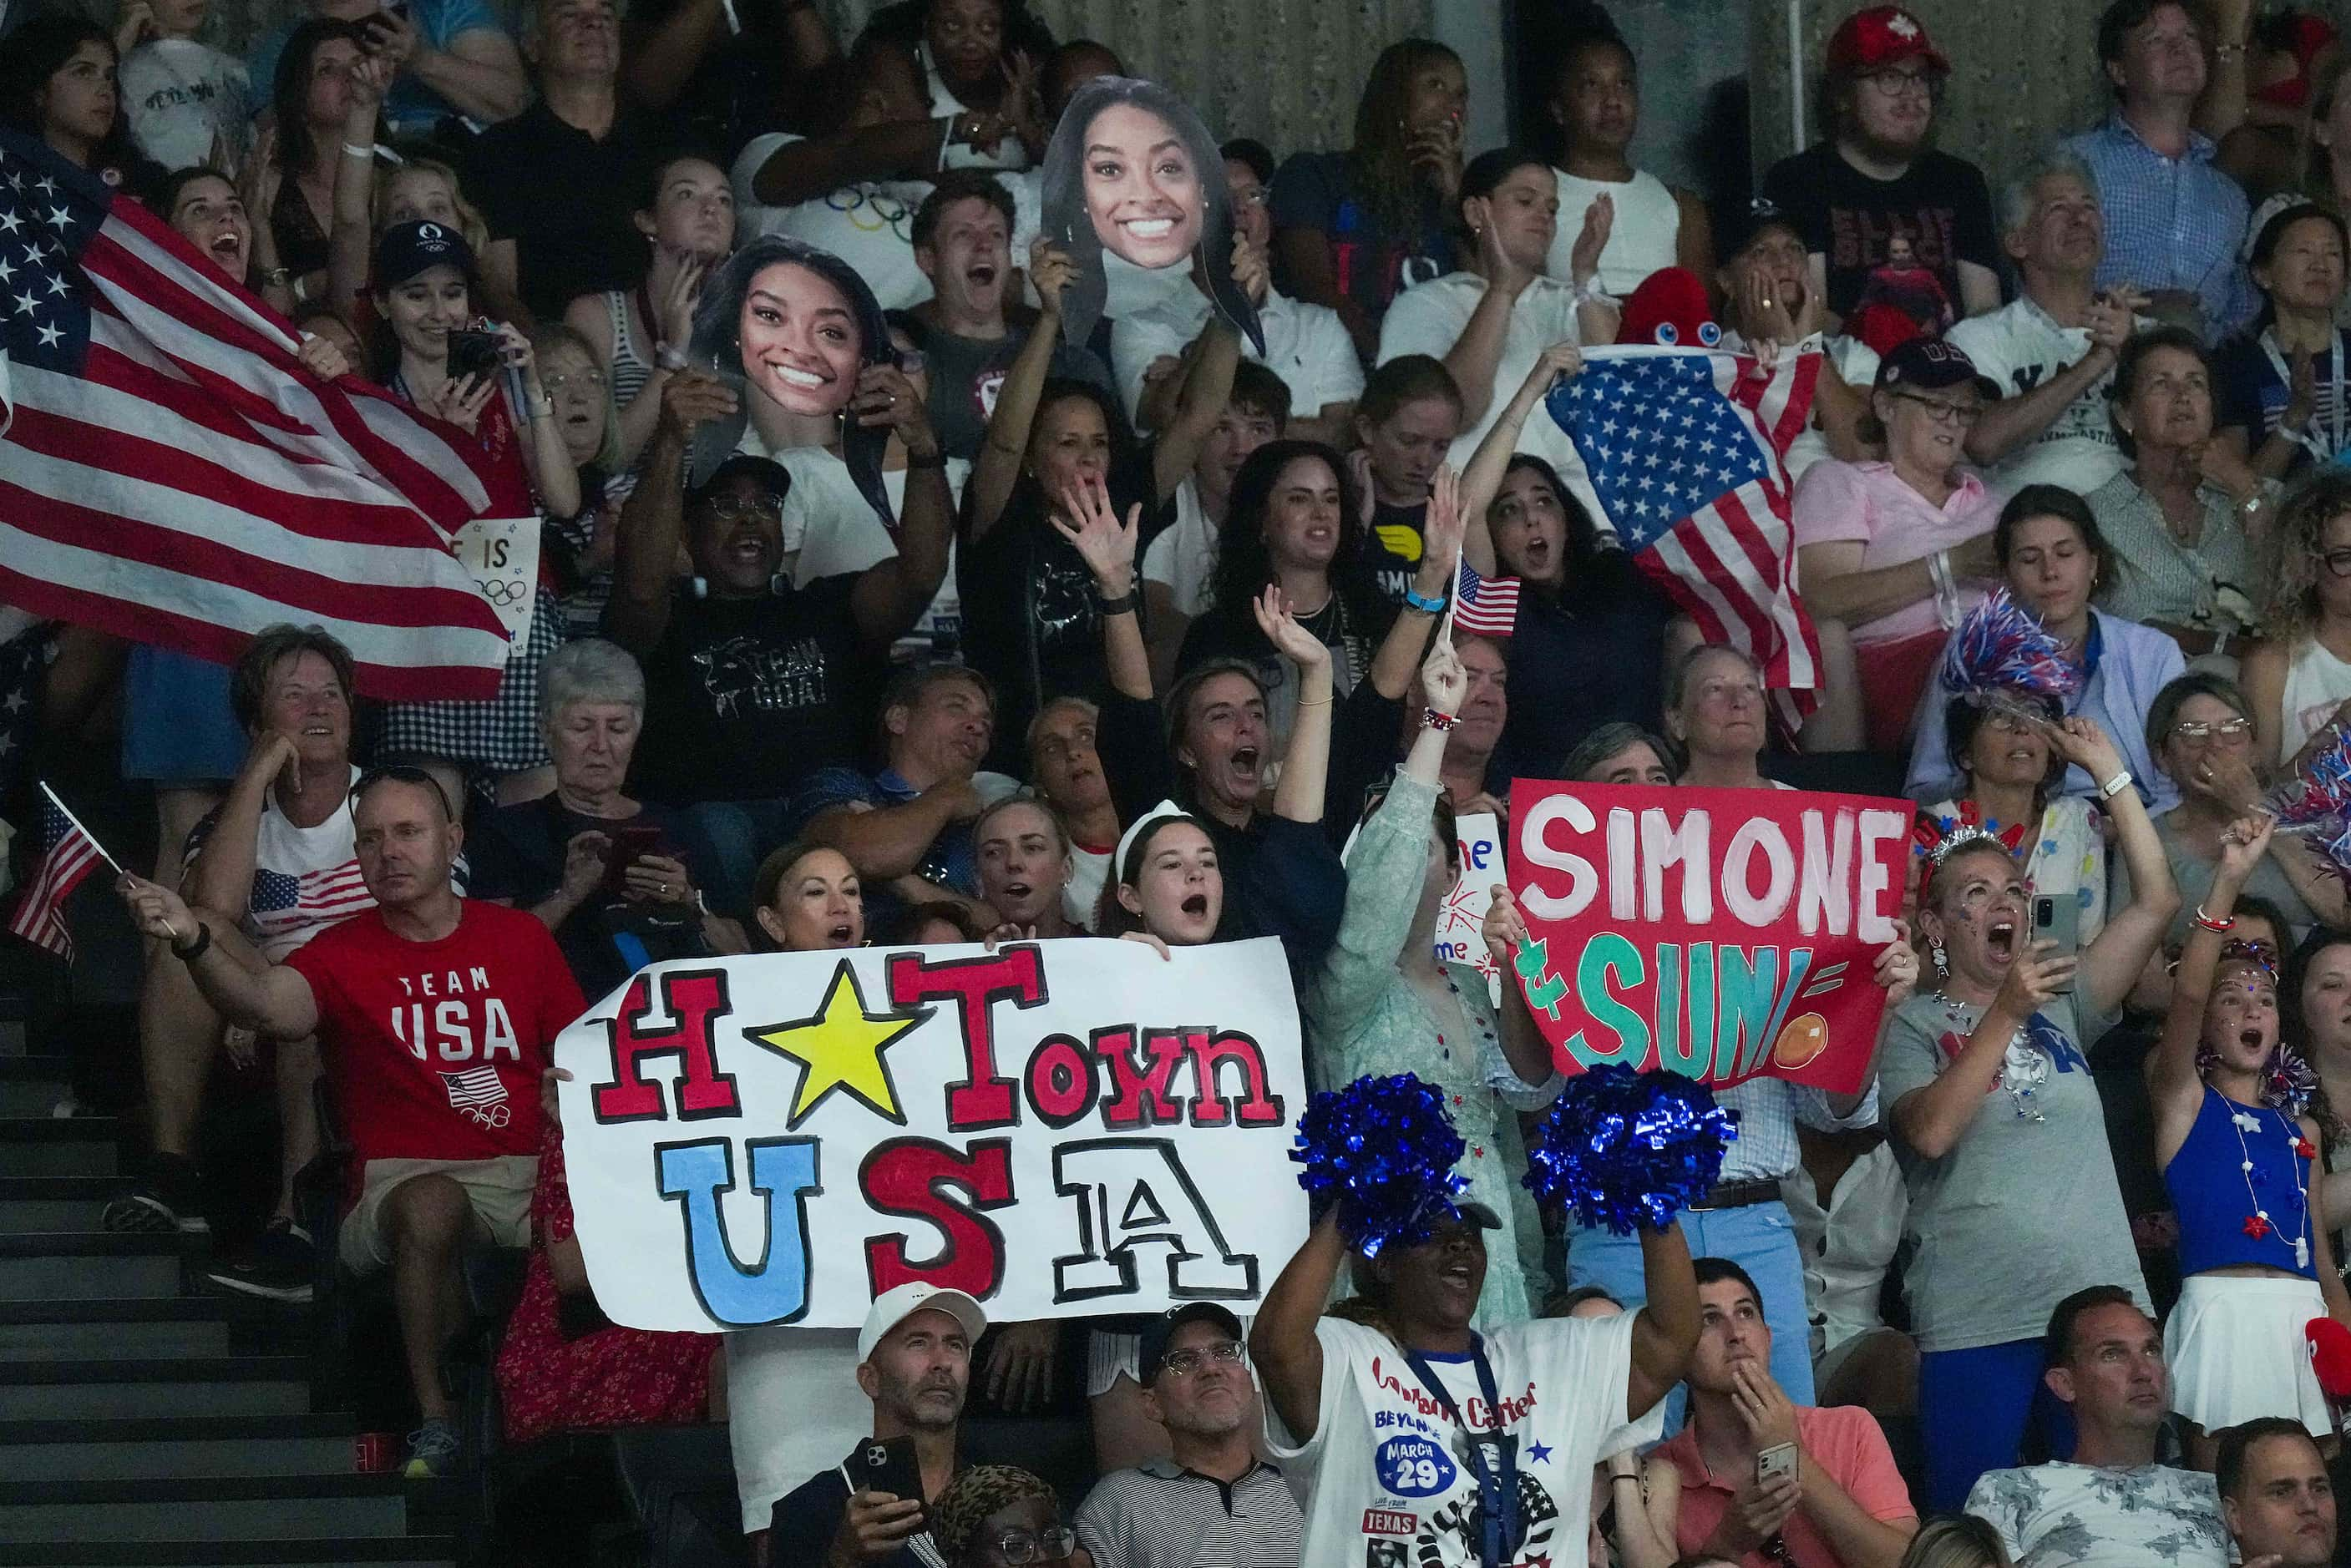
<point x="2237" y="1352"/>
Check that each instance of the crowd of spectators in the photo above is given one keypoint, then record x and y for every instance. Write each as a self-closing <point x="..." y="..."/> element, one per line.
<point x="1132" y="632"/>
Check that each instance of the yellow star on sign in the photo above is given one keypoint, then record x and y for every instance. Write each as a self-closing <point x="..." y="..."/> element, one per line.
<point x="841" y="1048"/>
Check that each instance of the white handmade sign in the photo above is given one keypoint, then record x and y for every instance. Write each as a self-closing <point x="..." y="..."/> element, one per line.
<point x="502" y="554"/>
<point x="1461" y="919"/>
<point x="1059" y="1128"/>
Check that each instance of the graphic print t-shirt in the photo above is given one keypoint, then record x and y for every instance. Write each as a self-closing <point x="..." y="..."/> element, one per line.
<point x="434" y="1050"/>
<point x="1893" y="242"/>
<point x="304" y="879"/>
<point x="1393" y="1487"/>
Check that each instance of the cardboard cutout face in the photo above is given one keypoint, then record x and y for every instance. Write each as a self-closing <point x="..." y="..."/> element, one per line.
<point x="1132" y="171"/>
<point x="799" y="335"/>
<point x="1146" y="200"/>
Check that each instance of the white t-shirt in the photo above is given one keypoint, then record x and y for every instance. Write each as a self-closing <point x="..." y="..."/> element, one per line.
<point x="1088" y="870"/>
<point x="1391" y="1484"/>
<point x="178" y="94"/>
<point x="2021" y="347"/>
<point x="1306" y="344"/>
<point x="1646" y="235"/>
<point x="304" y="879"/>
<point x="830" y="528"/>
<point x="869" y="224"/>
<point x="1428" y="318"/>
<point x="1184" y="557"/>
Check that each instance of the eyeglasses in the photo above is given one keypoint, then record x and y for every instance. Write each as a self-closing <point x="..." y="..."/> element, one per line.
<point x="1019" y="1546"/>
<point x="742" y="508"/>
<point x="593" y="379"/>
<point x="1943" y="412"/>
<point x="2227" y="728"/>
<point x="2338" y="562"/>
<point x="1184" y="1362"/>
<point x="1894" y="82"/>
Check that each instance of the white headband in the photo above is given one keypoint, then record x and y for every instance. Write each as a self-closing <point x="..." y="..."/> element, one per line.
<point x="1167" y="810"/>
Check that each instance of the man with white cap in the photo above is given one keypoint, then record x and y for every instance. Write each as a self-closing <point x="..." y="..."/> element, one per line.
<point x="914" y="1362"/>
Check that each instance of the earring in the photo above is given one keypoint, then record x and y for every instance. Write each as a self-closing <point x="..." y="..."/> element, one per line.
<point x="1942" y="960"/>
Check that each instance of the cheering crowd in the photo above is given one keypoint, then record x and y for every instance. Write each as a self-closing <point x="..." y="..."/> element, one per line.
<point x="981" y="606"/>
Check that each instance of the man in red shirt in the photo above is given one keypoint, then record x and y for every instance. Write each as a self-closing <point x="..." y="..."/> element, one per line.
<point x="1842" y="1505"/>
<point x="436" y="1016"/>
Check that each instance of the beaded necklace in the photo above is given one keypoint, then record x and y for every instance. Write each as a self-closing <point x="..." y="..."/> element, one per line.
<point x="2023" y="1067"/>
<point x="2258" y="1224"/>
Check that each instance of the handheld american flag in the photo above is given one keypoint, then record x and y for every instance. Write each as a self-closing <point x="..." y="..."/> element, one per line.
<point x="170" y="473"/>
<point x="71" y="854"/>
<point x="1487" y="606"/>
<point x="1687" y="450"/>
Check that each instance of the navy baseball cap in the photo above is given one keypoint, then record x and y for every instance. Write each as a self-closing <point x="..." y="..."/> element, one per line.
<point x="1162" y="1329"/>
<point x="1933" y="365"/>
<point x="1743" y="223"/>
<point x="407" y="249"/>
<point x="773" y="477"/>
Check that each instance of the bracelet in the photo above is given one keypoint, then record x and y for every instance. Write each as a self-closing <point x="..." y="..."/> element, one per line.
<point x="935" y="460"/>
<point x="543" y="410"/>
<point x="2115" y="785"/>
<point x="1430" y="718"/>
<point x="666" y="357"/>
<point x="1122" y="605"/>
<point x="2210" y="924"/>
<point x="1590" y="293"/>
<point x="354" y="150"/>
<point x="1318" y="702"/>
<point x="1415" y="599"/>
<point x="302" y="291"/>
<point x="197" y="948"/>
<point x="1947" y="591"/>
<point x="734" y="23"/>
<point x="1633" y="1476"/>
<point x="277" y="276"/>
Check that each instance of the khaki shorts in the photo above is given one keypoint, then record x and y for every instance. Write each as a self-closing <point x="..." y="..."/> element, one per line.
<point x="500" y="1190"/>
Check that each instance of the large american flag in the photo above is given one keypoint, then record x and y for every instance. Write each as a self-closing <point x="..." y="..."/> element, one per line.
<point x="1687" y="450"/>
<point x="171" y="475"/>
<point x="70" y="855"/>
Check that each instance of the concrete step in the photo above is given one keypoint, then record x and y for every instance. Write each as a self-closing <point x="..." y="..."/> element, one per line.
<point x="43" y="1146"/>
<point x="192" y="1385"/>
<point x="32" y="1085"/>
<point x="186" y="1445"/>
<point x="209" y="1508"/>
<point x="142" y="1328"/>
<point x="94" y="1266"/>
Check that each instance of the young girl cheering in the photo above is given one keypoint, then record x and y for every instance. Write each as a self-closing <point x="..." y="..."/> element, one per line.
<point x="2238" y="1156"/>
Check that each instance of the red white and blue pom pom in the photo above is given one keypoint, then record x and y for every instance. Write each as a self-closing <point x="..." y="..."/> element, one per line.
<point x="1385" y="1150"/>
<point x="2319" y="793"/>
<point x="2001" y="647"/>
<point x="1629" y="1150"/>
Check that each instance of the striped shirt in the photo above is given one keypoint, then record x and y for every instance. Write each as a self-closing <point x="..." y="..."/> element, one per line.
<point x="1769" y="1111"/>
<point x="1161" y="1515"/>
<point x="2157" y="578"/>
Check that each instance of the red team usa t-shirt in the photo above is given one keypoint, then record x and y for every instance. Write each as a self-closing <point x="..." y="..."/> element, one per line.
<point x="434" y="1050"/>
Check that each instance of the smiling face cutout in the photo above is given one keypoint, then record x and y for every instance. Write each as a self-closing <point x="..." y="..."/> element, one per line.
<point x="800" y="340"/>
<point x="1145" y="195"/>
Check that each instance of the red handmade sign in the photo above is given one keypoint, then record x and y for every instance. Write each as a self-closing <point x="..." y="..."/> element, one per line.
<point x="1717" y="933"/>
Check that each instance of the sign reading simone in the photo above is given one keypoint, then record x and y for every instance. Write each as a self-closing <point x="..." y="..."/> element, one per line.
<point x="1058" y="1127"/>
<point x="1717" y="933"/>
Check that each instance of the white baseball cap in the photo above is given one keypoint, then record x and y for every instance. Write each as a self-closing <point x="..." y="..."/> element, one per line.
<point x="892" y="1307"/>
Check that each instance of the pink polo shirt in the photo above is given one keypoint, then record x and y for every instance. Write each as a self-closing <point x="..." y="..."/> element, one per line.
<point x="1870" y="503"/>
<point x="1843" y="1440"/>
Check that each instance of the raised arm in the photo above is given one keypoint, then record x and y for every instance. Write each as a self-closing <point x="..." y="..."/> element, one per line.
<point x="1108" y="548"/>
<point x="275" y="1002"/>
<point x="1406" y="642"/>
<point x="657" y="64"/>
<point x="1505" y="932"/>
<point x="1306" y="765"/>
<point x="2175" y="1089"/>
<point x="811" y="170"/>
<point x="1007" y="446"/>
<point x="350" y="236"/>
<point x="1483" y="480"/>
<point x="222" y="877"/>
<point x="2113" y="961"/>
<point x="479" y="71"/>
<point x="1477" y="353"/>
<point x="644" y="550"/>
<point x="892" y="593"/>
<point x="2011" y="422"/>
<point x="1596" y="316"/>
<point x="1282" y="1340"/>
<point x="552" y="477"/>
<point x="1665" y="1331"/>
<point x="1207" y="387"/>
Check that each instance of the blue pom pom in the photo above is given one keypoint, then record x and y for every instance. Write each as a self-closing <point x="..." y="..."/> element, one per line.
<point x="1629" y="1150"/>
<point x="2001" y="647"/>
<point x="1383" y="1150"/>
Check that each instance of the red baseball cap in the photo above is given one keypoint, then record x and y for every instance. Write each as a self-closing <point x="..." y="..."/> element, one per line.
<point x="1879" y="36"/>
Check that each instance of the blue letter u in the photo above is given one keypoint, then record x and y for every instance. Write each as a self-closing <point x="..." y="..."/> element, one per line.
<point x="776" y="1289"/>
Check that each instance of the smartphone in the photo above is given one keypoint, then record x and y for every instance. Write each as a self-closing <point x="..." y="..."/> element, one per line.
<point x="473" y="352"/>
<point x="2057" y="918"/>
<point x="888" y="1465"/>
<point x="1776" y="1462"/>
<point x="629" y="846"/>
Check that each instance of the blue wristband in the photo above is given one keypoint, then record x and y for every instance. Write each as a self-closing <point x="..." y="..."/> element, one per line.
<point x="1421" y="601"/>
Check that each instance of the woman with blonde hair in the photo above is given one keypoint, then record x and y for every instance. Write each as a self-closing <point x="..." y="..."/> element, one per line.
<point x="1955" y="1541"/>
<point x="2298" y="680"/>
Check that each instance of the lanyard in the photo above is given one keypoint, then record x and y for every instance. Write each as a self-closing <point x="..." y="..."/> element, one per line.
<point x="1493" y="1456"/>
<point x="2335" y="416"/>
